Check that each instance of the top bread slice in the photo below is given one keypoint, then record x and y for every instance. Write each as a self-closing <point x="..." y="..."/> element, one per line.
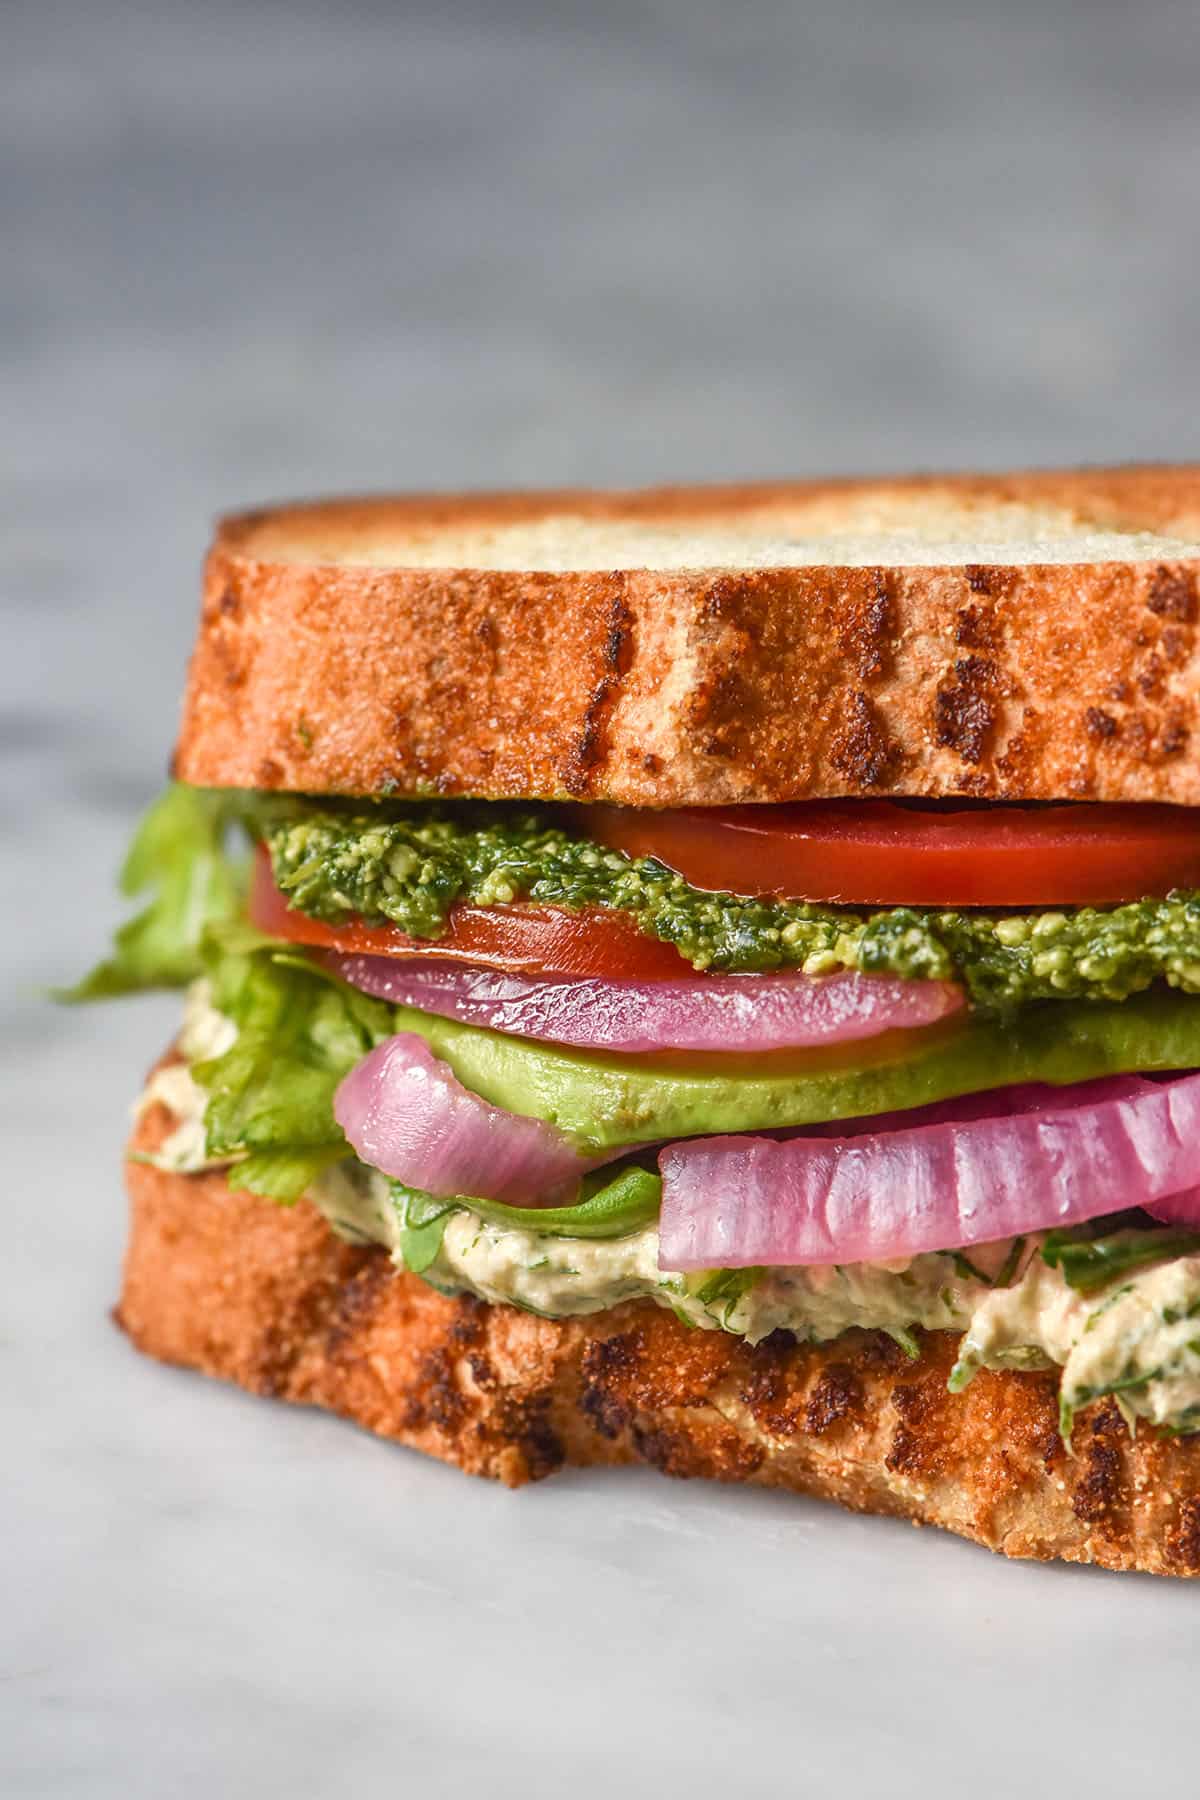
<point x="1005" y="637"/>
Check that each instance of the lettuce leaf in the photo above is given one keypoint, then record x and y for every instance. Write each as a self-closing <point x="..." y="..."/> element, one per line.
<point x="299" y="1029"/>
<point x="610" y="1206"/>
<point x="283" y="1175"/>
<point x="423" y="1221"/>
<point x="271" y="1093"/>
<point x="178" y="856"/>
<point x="1088" y="1264"/>
<point x="728" y="1285"/>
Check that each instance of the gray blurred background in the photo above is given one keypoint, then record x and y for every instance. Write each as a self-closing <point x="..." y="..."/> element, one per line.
<point x="250" y="250"/>
<point x="276" y="247"/>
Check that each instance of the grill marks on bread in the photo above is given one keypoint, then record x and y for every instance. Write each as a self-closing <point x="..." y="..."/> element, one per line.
<point x="680" y="685"/>
<point x="589" y="749"/>
<point x="267" y="1297"/>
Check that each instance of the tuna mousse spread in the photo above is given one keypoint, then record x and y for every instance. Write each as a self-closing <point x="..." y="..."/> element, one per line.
<point x="738" y="1009"/>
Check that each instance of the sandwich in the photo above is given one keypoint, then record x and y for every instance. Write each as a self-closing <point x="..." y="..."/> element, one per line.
<point x="699" y="977"/>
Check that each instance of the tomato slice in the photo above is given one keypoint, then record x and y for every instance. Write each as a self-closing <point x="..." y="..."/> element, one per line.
<point x="535" y="940"/>
<point x="885" y="853"/>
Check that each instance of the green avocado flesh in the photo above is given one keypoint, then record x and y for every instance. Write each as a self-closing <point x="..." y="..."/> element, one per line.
<point x="603" y="1101"/>
<point x="1117" y="1311"/>
<point x="269" y="1035"/>
<point x="304" y="1038"/>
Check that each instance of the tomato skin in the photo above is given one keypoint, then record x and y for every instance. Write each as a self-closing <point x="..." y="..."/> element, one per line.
<point x="878" y="853"/>
<point x="848" y="853"/>
<point x="534" y="940"/>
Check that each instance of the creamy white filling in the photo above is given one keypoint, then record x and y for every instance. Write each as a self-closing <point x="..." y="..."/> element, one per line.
<point x="1139" y="1338"/>
<point x="560" y="1276"/>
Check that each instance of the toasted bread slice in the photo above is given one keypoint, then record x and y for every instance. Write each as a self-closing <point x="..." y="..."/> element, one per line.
<point x="1020" y="637"/>
<point x="269" y="1298"/>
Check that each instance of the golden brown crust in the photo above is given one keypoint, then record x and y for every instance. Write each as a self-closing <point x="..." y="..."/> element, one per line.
<point x="268" y="1298"/>
<point x="695" y="687"/>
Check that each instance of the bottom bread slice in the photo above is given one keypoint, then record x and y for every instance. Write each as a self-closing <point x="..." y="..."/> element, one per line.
<point x="266" y="1296"/>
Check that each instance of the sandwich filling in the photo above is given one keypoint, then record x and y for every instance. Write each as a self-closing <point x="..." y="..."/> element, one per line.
<point x="535" y="1057"/>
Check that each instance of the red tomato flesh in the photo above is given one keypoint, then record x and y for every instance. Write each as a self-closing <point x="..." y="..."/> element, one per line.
<point x="535" y="940"/>
<point x="881" y="853"/>
<point x="848" y="853"/>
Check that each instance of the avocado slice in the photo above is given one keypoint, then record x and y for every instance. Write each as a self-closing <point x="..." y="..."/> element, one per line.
<point x="602" y="1101"/>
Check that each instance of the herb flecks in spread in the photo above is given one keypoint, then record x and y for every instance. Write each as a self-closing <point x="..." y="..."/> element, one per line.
<point x="409" y="866"/>
<point x="1118" y="1310"/>
<point x="1137" y="1338"/>
<point x="1138" y="1341"/>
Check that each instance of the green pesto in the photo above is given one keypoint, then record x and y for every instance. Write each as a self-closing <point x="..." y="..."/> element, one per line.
<point x="410" y="865"/>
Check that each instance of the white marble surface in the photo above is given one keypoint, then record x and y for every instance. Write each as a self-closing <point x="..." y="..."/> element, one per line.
<point x="246" y="250"/>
